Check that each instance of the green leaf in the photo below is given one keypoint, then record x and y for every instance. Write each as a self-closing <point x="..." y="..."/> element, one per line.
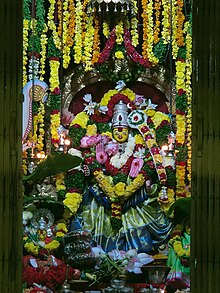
<point x="52" y="165"/>
<point x="182" y="205"/>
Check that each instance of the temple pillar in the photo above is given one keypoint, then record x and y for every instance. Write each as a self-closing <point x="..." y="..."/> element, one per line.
<point x="10" y="145"/>
<point x="206" y="147"/>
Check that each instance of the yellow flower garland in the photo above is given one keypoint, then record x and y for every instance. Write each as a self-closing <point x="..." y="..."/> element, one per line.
<point x="26" y="24"/>
<point x="120" y="191"/>
<point x="150" y="33"/>
<point x="119" y="30"/>
<point x="106" y="29"/>
<point x="43" y="43"/>
<point x="40" y="120"/>
<point x="81" y="119"/>
<point x="60" y="185"/>
<point x="52" y="25"/>
<point x="66" y="49"/>
<point x="166" y="26"/>
<point x="180" y="75"/>
<point x="72" y="201"/>
<point x="88" y="42"/>
<point x="134" y="25"/>
<point x="181" y="128"/>
<point x="54" y="74"/>
<point x="78" y="33"/>
<point x="55" y="124"/>
<point x="107" y="96"/>
<point x="175" y="47"/>
<point x="189" y="97"/>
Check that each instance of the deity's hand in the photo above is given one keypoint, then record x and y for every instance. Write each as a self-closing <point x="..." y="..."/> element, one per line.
<point x="101" y="156"/>
<point x="136" y="166"/>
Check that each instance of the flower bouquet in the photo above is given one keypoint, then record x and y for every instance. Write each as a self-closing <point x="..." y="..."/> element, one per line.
<point x="116" y="264"/>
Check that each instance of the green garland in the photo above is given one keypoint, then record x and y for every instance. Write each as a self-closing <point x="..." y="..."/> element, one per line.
<point x="160" y="51"/>
<point x="54" y="102"/>
<point x="182" y="153"/>
<point x="162" y="132"/>
<point x="76" y="134"/>
<point x="76" y="180"/>
<point x="181" y="103"/>
<point x="52" y="49"/>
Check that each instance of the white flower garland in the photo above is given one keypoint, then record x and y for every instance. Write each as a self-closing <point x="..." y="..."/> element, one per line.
<point x="120" y="160"/>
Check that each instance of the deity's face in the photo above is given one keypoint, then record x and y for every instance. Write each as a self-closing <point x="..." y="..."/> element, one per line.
<point x="120" y="134"/>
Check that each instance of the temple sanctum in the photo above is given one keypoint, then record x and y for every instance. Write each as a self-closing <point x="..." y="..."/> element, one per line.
<point x="110" y="146"/>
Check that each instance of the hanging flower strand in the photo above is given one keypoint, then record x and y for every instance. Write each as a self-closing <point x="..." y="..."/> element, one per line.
<point x="189" y="96"/>
<point x="145" y="25"/>
<point x="96" y="44"/>
<point x="157" y="8"/>
<point x="134" y="25"/>
<point x="78" y="33"/>
<point x="89" y="38"/>
<point x="43" y="52"/>
<point x="150" y="33"/>
<point x="52" y="25"/>
<point x="166" y="27"/>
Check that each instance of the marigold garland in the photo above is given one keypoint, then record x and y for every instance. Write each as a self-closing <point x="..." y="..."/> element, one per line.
<point x="65" y="31"/>
<point x="96" y="42"/>
<point x="180" y="21"/>
<point x="71" y="24"/>
<point x="121" y="191"/>
<point x="157" y="8"/>
<point x="145" y="25"/>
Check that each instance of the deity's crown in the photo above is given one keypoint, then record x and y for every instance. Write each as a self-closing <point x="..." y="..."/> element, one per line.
<point x="120" y="115"/>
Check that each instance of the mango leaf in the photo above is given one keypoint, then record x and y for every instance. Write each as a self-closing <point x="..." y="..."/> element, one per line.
<point x="52" y="165"/>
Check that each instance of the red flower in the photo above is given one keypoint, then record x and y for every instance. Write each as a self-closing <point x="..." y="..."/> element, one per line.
<point x="181" y="163"/>
<point x="89" y="160"/>
<point x="179" y="112"/>
<point x="55" y="112"/>
<point x="100" y="118"/>
<point x="55" y="141"/>
<point x="144" y="129"/>
<point x="181" y="92"/>
<point x="56" y="91"/>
